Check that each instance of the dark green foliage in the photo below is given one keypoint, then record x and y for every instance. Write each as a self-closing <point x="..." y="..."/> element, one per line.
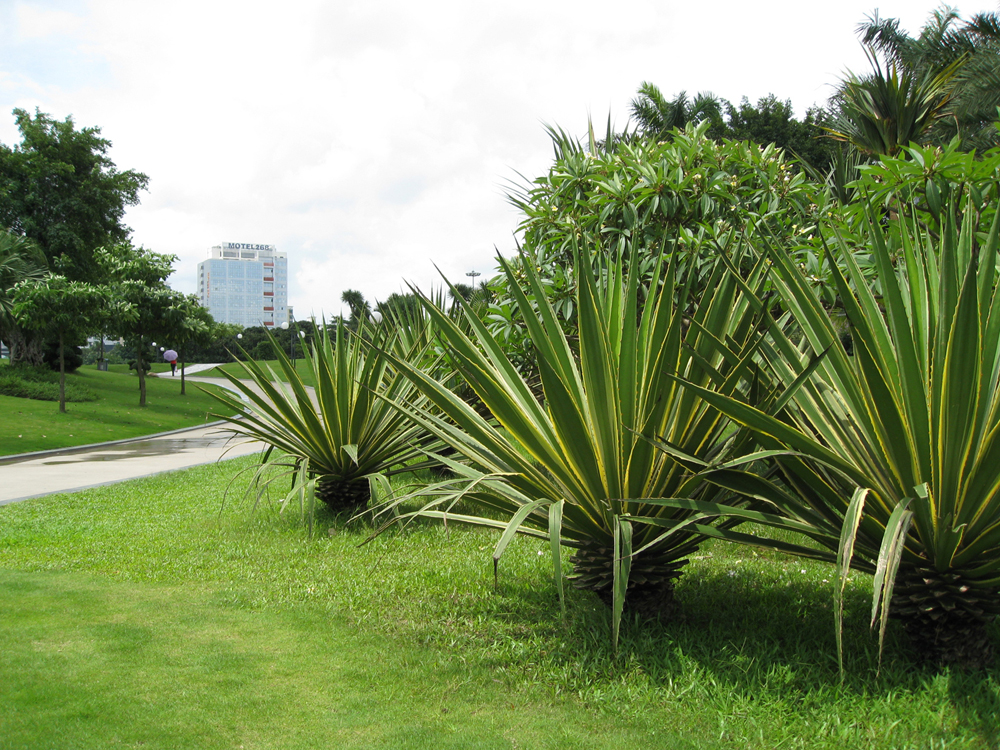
<point x="360" y="308"/>
<point x="60" y="188"/>
<point x="226" y="342"/>
<point x="39" y="383"/>
<point x="20" y="260"/>
<point x="72" y="356"/>
<point x="773" y="121"/>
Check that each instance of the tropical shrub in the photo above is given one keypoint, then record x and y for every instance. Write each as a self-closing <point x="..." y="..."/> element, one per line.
<point x="645" y="199"/>
<point x="930" y="177"/>
<point x="946" y="39"/>
<point x="567" y="461"/>
<point x="40" y="383"/>
<point x="72" y="356"/>
<point x="334" y="438"/>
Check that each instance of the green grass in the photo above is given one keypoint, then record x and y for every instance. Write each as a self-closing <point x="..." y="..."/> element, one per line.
<point x="29" y="425"/>
<point x="234" y="368"/>
<point x="140" y="615"/>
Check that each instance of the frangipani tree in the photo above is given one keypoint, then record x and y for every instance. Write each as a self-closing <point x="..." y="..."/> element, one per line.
<point x="186" y="324"/>
<point x="136" y="277"/>
<point x="65" y="310"/>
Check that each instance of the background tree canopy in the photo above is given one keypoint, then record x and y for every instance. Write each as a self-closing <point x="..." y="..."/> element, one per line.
<point x="59" y="188"/>
<point x="771" y="120"/>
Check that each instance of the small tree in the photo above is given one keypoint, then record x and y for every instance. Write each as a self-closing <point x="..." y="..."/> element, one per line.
<point x="137" y="278"/>
<point x="65" y="310"/>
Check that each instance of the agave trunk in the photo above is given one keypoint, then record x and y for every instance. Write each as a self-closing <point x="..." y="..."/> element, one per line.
<point x="344" y="495"/>
<point x="651" y="582"/>
<point x="946" y="616"/>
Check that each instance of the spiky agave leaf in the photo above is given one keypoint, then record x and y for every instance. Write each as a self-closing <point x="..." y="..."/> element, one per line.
<point x="583" y="445"/>
<point x="888" y="109"/>
<point x="912" y="417"/>
<point x="343" y="431"/>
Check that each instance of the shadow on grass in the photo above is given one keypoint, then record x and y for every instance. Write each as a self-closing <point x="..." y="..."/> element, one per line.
<point x="767" y="637"/>
<point x="977" y="699"/>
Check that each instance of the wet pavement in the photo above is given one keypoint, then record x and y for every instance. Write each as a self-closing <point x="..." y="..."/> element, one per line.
<point x="71" y="469"/>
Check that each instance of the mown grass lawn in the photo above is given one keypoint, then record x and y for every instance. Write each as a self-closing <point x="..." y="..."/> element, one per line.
<point x="29" y="425"/>
<point x="152" y="614"/>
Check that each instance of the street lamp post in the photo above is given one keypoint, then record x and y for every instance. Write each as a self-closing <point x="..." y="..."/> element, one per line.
<point x="291" y="337"/>
<point x="472" y="275"/>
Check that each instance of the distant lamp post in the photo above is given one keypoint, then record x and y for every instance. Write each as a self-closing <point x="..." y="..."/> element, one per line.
<point x="291" y="338"/>
<point x="472" y="275"/>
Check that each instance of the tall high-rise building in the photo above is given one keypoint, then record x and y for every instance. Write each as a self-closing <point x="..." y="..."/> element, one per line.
<point x="245" y="284"/>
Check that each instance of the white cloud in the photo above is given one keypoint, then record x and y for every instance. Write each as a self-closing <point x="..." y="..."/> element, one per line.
<point x="371" y="140"/>
<point x="38" y="23"/>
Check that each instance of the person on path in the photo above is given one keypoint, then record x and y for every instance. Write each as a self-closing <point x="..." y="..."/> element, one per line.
<point x="171" y="356"/>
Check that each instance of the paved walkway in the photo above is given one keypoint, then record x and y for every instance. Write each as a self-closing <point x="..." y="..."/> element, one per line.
<point x="71" y="469"/>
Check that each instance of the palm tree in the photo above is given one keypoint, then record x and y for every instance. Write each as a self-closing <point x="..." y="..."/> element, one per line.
<point x="974" y="91"/>
<point x="360" y="309"/>
<point x="656" y="115"/>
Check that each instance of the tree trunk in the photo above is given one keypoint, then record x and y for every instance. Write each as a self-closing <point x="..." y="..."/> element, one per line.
<point x="947" y="616"/>
<point x="62" y="376"/>
<point x="139" y="363"/>
<point x="24" y="348"/>
<point x="182" y="376"/>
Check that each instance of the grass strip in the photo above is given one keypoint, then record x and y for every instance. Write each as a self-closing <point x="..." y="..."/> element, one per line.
<point x="29" y="425"/>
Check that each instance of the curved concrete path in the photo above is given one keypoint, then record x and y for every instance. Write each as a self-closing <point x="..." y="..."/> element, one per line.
<point x="71" y="469"/>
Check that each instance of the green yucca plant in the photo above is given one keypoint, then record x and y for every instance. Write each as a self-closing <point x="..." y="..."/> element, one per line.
<point x="891" y="454"/>
<point x="568" y="465"/>
<point x="887" y="110"/>
<point x="333" y="438"/>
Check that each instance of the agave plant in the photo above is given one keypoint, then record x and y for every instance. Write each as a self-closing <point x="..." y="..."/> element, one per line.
<point x="334" y="437"/>
<point x="568" y="463"/>
<point x="892" y="454"/>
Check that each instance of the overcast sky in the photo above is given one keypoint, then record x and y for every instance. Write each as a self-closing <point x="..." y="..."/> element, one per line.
<point x="372" y="140"/>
